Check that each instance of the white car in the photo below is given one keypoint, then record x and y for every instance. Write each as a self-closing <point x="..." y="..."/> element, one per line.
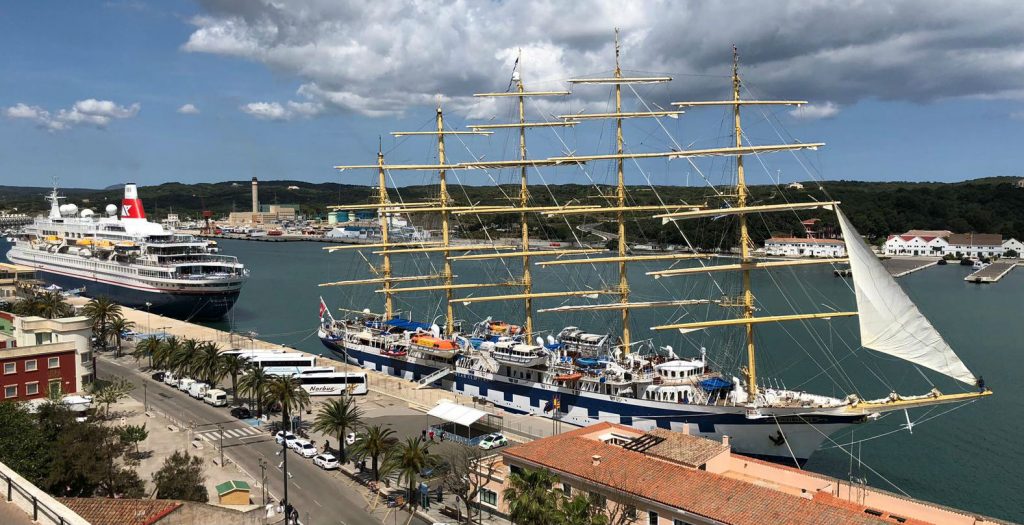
<point x="493" y="441"/>
<point x="326" y="461"/>
<point x="285" y="437"/>
<point x="304" y="448"/>
<point x="351" y="438"/>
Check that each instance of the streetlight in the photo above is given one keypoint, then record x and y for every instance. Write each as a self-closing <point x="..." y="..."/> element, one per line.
<point x="148" y="325"/>
<point x="221" y="429"/>
<point x="263" y="479"/>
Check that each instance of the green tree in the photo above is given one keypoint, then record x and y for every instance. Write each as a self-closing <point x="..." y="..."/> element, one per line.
<point x="206" y="363"/>
<point x="148" y="347"/>
<point x="102" y="311"/>
<point x="374" y="442"/>
<point x="52" y="306"/>
<point x="133" y="434"/>
<point x="112" y="392"/>
<point x="163" y="355"/>
<point x="411" y="458"/>
<point x="337" y="417"/>
<point x="182" y="360"/>
<point x="253" y="384"/>
<point x="90" y="461"/>
<point x="24" y="446"/>
<point x="1010" y="253"/>
<point x="117" y="327"/>
<point x="28" y="306"/>
<point x="288" y="392"/>
<point x="181" y="477"/>
<point x="232" y="365"/>
<point x="582" y="510"/>
<point x="532" y="498"/>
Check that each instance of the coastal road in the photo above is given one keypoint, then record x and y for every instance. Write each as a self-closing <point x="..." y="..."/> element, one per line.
<point x="321" y="497"/>
<point x="592" y="229"/>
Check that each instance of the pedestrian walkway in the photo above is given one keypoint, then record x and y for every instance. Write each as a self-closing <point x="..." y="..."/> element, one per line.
<point x="235" y="433"/>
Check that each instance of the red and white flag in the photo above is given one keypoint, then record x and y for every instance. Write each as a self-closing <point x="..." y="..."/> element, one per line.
<point x="323" y="308"/>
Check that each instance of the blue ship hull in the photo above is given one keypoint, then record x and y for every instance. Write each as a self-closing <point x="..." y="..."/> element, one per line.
<point x="200" y="306"/>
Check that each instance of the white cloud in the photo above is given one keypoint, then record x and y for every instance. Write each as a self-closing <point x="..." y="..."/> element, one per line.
<point x="826" y="109"/>
<point x="98" y="113"/>
<point x="378" y="58"/>
<point x="276" y="111"/>
<point x="188" y="109"/>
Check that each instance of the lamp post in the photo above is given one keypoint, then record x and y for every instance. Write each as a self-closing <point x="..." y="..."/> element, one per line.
<point x="221" y="429"/>
<point x="263" y="480"/>
<point x="148" y="324"/>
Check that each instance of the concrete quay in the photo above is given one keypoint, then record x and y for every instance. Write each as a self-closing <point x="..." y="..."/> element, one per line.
<point x="991" y="273"/>
<point x="900" y="266"/>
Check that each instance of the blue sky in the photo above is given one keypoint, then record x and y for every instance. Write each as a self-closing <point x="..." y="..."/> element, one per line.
<point x="91" y="91"/>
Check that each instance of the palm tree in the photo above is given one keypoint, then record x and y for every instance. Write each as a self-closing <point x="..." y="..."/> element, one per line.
<point x="373" y="444"/>
<point x="148" y="347"/>
<point x="52" y="305"/>
<point x="338" y="416"/>
<point x="232" y="365"/>
<point x="412" y="458"/>
<point x="118" y="326"/>
<point x="206" y="363"/>
<point x="582" y="510"/>
<point x="253" y="384"/>
<point x="531" y="499"/>
<point x="31" y="305"/>
<point x="289" y="393"/>
<point x="162" y="356"/>
<point x="181" y="361"/>
<point x="101" y="310"/>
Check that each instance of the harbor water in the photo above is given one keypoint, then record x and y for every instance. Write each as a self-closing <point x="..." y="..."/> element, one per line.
<point x="965" y="457"/>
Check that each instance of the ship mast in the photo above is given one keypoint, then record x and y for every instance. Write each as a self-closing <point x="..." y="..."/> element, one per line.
<point x="524" y="197"/>
<point x="445" y="233"/>
<point x="741" y="202"/>
<point x="385" y="227"/>
<point x="620" y="216"/>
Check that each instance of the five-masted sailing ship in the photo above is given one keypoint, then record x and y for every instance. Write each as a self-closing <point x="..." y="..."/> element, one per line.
<point x="582" y="377"/>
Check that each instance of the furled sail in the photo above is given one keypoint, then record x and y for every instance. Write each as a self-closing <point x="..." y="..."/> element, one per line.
<point x="889" y="321"/>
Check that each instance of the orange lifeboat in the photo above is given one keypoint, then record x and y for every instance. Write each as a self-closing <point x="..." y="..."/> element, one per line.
<point x="569" y="377"/>
<point x="434" y="343"/>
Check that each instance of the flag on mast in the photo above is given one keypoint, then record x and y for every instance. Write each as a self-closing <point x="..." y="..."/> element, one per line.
<point x="324" y="310"/>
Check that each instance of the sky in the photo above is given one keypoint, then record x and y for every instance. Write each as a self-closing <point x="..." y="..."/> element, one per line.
<point x="104" y="92"/>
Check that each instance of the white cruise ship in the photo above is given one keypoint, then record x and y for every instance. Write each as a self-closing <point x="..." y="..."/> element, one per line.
<point x="135" y="262"/>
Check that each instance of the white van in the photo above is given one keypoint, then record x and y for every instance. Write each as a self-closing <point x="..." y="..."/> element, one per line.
<point x="216" y="397"/>
<point x="198" y="390"/>
<point x="170" y="379"/>
<point x="185" y="383"/>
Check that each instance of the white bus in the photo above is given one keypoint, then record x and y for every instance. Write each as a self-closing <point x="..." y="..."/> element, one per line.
<point x="275" y="358"/>
<point x="323" y="380"/>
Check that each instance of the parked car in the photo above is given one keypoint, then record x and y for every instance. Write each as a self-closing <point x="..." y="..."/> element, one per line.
<point x="170" y="379"/>
<point x="326" y="461"/>
<point x="493" y="441"/>
<point x="158" y="377"/>
<point x="240" y="412"/>
<point x="216" y="397"/>
<point x="285" y="437"/>
<point x="185" y="383"/>
<point x="198" y="390"/>
<point x="304" y="448"/>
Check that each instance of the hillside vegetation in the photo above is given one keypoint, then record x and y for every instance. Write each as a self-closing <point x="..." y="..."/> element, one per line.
<point x="992" y="205"/>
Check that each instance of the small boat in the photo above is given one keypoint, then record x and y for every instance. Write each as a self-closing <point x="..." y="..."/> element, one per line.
<point x="395" y="351"/>
<point x="967" y="261"/>
<point x="275" y="233"/>
<point x="979" y="265"/>
<point x="569" y="377"/>
<point x="942" y="262"/>
<point x="521" y="354"/>
<point x="433" y="345"/>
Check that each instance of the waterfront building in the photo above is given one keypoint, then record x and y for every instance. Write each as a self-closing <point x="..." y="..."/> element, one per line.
<point x="13" y="220"/>
<point x="12" y="278"/>
<point x="41" y="351"/>
<point x="804" y="247"/>
<point x="940" y="243"/>
<point x="1015" y="245"/>
<point x="660" y="477"/>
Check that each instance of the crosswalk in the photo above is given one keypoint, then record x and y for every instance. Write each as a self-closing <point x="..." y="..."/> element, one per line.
<point x="236" y="433"/>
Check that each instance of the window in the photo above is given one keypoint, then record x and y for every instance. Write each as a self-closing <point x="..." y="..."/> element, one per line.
<point x="10" y="368"/>
<point x="32" y="388"/>
<point x="10" y="391"/>
<point x="53" y="387"/>
<point x="31" y="365"/>
<point x="630" y="512"/>
<point x="489" y="497"/>
<point x="43" y="338"/>
<point x="567" y="490"/>
<point x="53" y="362"/>
<point x="652" y="518"/>
<point x="598" y="500"/>
<point x="678" y="521"/>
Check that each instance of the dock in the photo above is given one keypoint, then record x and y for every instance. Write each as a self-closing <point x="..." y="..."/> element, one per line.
<point x="991" y="273"/>
<point x="900" y="266"/>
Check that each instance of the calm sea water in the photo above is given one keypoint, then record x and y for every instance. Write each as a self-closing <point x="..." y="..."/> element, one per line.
<point x="967" y="458"/>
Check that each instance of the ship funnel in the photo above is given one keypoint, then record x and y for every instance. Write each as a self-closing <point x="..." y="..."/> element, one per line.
<point x="131" y="205"/>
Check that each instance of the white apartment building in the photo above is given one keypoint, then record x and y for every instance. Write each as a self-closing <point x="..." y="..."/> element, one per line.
<point x="939" y="243"/>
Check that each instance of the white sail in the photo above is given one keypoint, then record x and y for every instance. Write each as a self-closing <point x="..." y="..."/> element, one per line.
<point x="889" y="321"/>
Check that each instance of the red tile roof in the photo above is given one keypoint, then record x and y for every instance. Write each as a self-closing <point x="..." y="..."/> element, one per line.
<point x="107" y="511"/>
<point x="805" y="240"/>
<point x="699" y="492"/>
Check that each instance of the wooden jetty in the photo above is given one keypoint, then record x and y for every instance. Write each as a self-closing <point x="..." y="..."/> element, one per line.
<point x="991" y="273"/>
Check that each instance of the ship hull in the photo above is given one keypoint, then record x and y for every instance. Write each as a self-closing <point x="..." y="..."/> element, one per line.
<point x="783" y="439"/>
<point x="204" y="306"/>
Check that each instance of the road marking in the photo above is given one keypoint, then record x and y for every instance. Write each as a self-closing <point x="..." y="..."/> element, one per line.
<point x="317" y="503"/>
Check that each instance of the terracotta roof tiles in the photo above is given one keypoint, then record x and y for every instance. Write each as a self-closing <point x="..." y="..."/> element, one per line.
<point x="107" y="511"/>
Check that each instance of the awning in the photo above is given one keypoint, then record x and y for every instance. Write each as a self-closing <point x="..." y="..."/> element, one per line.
<point x="409" y="326"/>
<point x="455" y="413"/>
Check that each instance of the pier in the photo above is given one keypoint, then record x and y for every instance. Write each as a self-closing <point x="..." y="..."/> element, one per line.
<point x="991" y="273"/>
<point x="898" y="267"/>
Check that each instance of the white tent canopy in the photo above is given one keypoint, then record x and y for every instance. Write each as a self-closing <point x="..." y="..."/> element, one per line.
<point x="456" y="413"/>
